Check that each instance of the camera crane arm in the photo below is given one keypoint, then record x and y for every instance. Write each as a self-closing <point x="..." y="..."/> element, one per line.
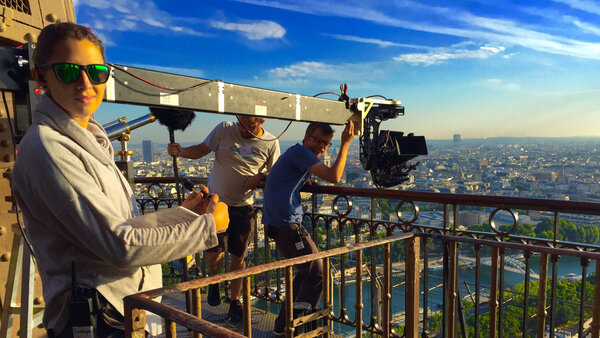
<point x="145" y="87"/>
<point x="384" y="153"/>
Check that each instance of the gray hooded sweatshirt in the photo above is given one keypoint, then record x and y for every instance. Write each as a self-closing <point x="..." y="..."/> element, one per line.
<point x="79" y="208"/>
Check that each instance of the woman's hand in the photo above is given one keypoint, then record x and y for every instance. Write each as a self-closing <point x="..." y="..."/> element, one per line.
<point x="198" y="203"/>
<point x="220" y="213"/>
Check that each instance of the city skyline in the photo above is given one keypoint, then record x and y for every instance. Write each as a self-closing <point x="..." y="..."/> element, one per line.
<point x="477" y="68"/>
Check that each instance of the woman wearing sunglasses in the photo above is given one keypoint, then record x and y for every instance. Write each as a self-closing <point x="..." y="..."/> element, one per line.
<point x="80" y="212"/>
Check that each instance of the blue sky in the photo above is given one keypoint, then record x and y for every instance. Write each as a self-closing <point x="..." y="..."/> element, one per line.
<point x="477" y="68"/>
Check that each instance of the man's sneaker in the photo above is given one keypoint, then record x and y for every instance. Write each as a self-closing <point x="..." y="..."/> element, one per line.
<point x="235" y="310"/>
<point x="214" y="297"/>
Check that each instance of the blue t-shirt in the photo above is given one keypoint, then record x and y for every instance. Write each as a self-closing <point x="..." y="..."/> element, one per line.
<point x="282" y="204"/>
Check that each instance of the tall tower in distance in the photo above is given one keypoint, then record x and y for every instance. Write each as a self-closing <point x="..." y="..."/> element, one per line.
<point x="147" y="151"/>
<point x="456" y="139"/>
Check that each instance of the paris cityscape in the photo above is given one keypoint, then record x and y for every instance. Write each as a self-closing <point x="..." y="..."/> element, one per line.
<point x="541" y="168"/>
<point x="545" y="168"/>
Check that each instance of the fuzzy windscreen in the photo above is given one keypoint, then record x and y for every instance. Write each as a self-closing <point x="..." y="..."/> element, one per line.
<point x="174" y="119"/>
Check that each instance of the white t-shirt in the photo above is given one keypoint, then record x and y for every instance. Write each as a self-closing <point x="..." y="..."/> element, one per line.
<point x="236" y="159"/>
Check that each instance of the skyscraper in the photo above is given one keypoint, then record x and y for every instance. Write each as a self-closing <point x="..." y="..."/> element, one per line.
<point x="456" y="139"/>
<point x="147" y="151"/>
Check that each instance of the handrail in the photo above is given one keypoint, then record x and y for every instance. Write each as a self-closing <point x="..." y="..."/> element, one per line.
<point x="512" y="245"/>
<point x="167" y="179"/>
<point x="550" y="248"/>
<point x="136" y="305"/>
<point x="197" y="283"/>
<point x="442" y="198"/>
<point x="463" y="199"/>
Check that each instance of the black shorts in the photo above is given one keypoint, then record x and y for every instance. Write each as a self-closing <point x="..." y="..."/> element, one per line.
<point x="240" y="232"/>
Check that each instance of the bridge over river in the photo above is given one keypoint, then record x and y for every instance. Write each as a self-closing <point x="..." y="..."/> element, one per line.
<point x="510" y="264"/>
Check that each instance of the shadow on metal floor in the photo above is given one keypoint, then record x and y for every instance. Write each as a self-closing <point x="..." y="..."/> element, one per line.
<point x="262" y="322"/>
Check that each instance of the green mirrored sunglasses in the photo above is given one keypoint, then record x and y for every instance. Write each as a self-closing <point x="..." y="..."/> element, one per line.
<point x="70" y="72"/>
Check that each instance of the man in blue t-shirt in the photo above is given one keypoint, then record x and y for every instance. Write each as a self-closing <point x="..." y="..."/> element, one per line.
<point x="282" y="208"/>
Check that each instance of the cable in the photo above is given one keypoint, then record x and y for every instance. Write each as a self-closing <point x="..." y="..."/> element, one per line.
<point x="258" y="137"/>
<point x="174" y="90"/>
<point x="286" y="128"/>
<point x="381" y="96"/>
<point x="332" y="93"/>
<point x="14" y="141"/>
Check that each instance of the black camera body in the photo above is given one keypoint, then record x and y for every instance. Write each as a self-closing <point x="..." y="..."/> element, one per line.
<point x="386" y="153"/>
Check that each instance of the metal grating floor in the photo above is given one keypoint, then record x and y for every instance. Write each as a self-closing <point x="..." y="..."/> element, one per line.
<point x="262" y="322"/>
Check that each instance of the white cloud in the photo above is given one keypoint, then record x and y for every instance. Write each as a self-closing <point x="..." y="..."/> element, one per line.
<point x="499" y="84"/>
<point x="119" y="25"/>
<point x="105" y="40"/>
<point x="378" y="42"/>
<point x="437" y="57"/>
<point x="93" y="3"/>
<point x="153" y="22"/>
<point x="258" y="30"/>
<point x="132" y="15"/>
<point x="582" y="5"/>
<point x="587" y="27"/>
<point x="360" y="75"/>
<point x="454" y="22"/>
<point x="303" y="69"/>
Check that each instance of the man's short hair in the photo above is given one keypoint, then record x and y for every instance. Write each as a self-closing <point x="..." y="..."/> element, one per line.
<point x="325" y="128"/>
<point x="258" y="119"/>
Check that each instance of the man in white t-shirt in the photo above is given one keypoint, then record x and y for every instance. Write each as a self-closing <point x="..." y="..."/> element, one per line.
<point x="244" y="154"/>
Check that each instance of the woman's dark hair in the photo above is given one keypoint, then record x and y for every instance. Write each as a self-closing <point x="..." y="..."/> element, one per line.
<point x="56" y="33"/>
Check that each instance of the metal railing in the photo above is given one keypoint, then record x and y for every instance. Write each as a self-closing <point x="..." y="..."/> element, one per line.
<point x="450" y="248"/>
<point x="135" y="305"/>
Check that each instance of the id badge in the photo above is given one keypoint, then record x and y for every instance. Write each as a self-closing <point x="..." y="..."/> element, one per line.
<point x="245" y="150"/>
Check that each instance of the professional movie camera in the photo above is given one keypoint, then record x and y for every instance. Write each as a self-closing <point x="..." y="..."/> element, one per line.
<point x="386" y="153"/>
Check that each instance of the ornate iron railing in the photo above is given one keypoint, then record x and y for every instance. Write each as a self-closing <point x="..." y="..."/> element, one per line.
<point x="136" y="305"/>
<point x="450" y="247"/>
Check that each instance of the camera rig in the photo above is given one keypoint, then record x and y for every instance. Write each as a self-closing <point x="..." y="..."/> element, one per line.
<point x="386" y="153"/>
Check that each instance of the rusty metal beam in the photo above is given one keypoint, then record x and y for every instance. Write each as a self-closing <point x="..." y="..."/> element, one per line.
<point x="494" y="293"/>
<point x="170" y="329"/>
<point x="358" y="306"/>
<point x="327" y="296"/>
<point x="197" y="307"/>
<point x="289" y="302"/>
<point x="596" y="316"/>
<point x="247" y="307"/>
<point x="387" y="291"/>
<point x="541" y="309"/>
<point x="135" y="321"/>
<point x="452" y="271"/>
<point x="411" y="307"/>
